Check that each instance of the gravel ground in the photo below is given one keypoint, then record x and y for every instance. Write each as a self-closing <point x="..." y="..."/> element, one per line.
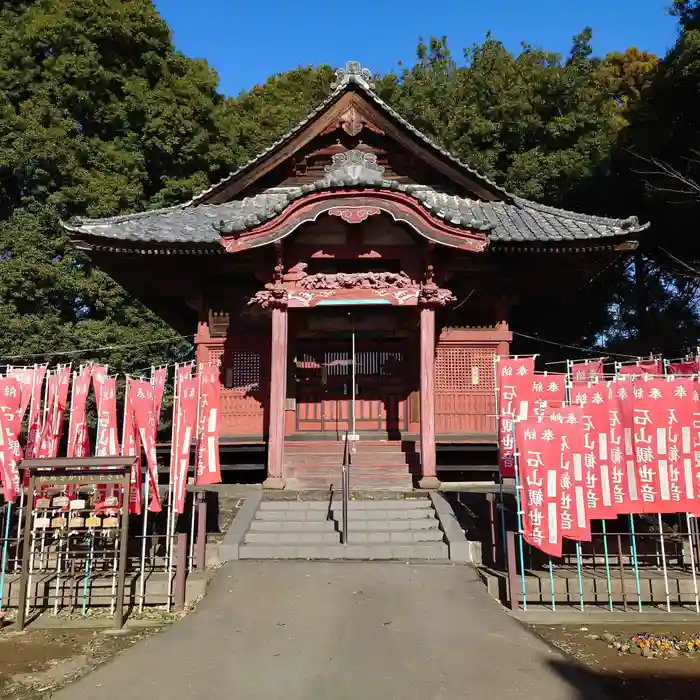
<point x="33" y="665"/>
<point x="629" y="675"/>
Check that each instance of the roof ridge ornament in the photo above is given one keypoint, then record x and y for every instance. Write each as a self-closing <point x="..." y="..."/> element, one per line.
<point x="352" y="73"/>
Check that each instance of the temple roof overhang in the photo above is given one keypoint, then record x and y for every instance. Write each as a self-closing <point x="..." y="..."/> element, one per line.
<point x="485" y="216"/>
<point x="273" y="214"/>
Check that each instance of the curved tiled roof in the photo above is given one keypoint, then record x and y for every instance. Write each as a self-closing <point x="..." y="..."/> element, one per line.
<point x="520" y="222"/>
<point x="514" y="220"/>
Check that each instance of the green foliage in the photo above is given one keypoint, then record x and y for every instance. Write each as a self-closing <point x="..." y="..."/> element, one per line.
<point x="100" y="115"/>
<point x="534" y="122"/>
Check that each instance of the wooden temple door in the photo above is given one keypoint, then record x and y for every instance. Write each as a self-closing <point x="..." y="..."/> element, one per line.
<point x="324" y="375"/>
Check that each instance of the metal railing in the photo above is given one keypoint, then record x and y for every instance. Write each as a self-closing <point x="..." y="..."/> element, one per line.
<point x="627" y="565"/>
<point x="345" y="487"/>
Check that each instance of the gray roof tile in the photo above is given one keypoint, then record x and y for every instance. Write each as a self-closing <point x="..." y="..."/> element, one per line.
<point x="193" y="223"/>
<point x="201" y="224"/>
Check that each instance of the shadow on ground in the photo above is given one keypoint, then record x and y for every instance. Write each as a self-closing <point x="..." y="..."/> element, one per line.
<point x="654" y="685"/>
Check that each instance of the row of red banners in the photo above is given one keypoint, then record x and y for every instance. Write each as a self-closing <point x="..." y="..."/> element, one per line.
<point x="41" y="396"/>
<point x="589" y="449"/>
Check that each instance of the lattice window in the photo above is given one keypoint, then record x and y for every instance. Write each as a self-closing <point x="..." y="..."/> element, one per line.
<point x="465" y="369"/>
<point x="244" y="373"/>
<point x="215" y="355"/>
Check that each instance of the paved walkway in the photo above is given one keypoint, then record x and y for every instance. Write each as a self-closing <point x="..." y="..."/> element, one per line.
<point x="338" y="631"/>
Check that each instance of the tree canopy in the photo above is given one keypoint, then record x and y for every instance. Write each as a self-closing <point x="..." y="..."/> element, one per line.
<point x="101" y="115"/>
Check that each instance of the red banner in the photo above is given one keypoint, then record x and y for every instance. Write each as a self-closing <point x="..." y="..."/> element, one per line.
<point x="106" y="439"/>
<point x="184" y="431"/>
<point x="695" y="448"/>
<point x="514" y="395"/>
<point x="208" y="467"/>
<point x="594" y="403"/>
<point x="654" y="410"/>
<point x="43" y="439"/>
<point x="547" y="391"/>
<point x="158" y="378"/>
<point x="25" y="377"/>
<point x="78" y="437"/>
<point x="587" y="371"/>
<point x="54" y="411"/>
<point x="640" y="369"/>
<point x="131" y="448"/>
<point x="10" y="451"/>
<point x="686" y="368"/>
<point x="141" y="400"/>
<point x="683" y="476"/>
<point x="539" y="460"/>
<point x="573" y="515"/>
<point x="626" y="493"/>
<point x="35" y="412"/>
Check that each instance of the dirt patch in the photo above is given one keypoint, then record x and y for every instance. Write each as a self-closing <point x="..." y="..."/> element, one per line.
<point x="631" y="672"/>
<point x="33" y="665"/>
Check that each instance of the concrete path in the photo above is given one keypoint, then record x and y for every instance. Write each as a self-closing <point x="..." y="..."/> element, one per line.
<point x="339" y="631"/>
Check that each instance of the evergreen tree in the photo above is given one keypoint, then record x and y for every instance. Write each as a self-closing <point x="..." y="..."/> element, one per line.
<point x="99" y="115"/>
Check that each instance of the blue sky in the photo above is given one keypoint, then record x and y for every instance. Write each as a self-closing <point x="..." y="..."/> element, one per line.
<point x="248" y="42"/>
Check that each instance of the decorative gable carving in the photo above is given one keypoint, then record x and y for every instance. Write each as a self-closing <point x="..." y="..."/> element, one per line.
<point x="352" y="122"/>
<point x="352" y="168"/>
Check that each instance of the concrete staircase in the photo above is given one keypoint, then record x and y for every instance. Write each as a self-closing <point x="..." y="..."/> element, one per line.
<point x="384" y="466"/>
<point x="377" y="529"/>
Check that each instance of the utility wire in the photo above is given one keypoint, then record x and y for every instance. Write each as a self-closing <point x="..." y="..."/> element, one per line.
<point x="105" y="347"/>
<point x="596" y="351"/>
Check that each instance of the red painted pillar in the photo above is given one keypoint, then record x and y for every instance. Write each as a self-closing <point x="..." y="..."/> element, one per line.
<point x="427" y="399"/>
<point x="278" y="385"/>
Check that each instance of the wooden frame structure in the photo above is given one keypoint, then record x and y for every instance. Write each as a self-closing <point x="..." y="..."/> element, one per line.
<point x="81" y="471"/>
<point x="353" y="233"/>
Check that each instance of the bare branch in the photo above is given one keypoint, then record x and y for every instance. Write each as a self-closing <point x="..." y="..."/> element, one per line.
<point x="661" y="169"/>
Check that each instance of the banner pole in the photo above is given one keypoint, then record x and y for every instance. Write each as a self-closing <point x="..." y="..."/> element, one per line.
<point x="196" y="464"/>
<point x="692" y="565"/>
<point x="551" y="585"/>
<point x="635" y="562"/>
<point x="579" y="572"/>
<point x="516" y="460"/>
<point x="144" y="535"/>
<point x="504" y="539"/>
<point x="20" y="511"/>
<point x="144" y="508"/>
<point x="172" y="487"/>
<point x="6" y="536"/>
<point x="86" y="576"/>
<point x="663" y="559"/>
<point x="633" y="535"/>
<point x="607" y="564"/>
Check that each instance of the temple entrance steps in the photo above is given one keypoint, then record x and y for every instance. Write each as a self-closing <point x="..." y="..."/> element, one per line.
<point x="385" y="466"/>
<point x="406" y="528"/>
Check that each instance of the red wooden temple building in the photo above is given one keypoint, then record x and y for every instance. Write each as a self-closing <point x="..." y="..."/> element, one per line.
<point x="355" y="277"/>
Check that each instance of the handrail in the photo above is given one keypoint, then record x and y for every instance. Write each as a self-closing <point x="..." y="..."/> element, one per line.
<point x="345" y="482"/>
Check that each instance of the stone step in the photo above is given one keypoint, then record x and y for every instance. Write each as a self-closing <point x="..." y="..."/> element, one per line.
<point x="399" y="536"/>
<point x="399" y="482"/>
<point x="416" y="551"/>
<point x="339" y="447"/>
<point x="354" y="537"/>
<point x="390" y="525"/>
<point x="298" y="538"/>
<point x="389" y="504"/>
<point x="365" y="475"/>
<point x="353" y="514"/>
<point x="293" y="525"/>
<point x="301" y="471"/>
<point x="329" y="461"/>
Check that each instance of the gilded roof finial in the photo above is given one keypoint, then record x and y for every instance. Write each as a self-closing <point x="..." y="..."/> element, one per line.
<point x="352" y="73"/>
